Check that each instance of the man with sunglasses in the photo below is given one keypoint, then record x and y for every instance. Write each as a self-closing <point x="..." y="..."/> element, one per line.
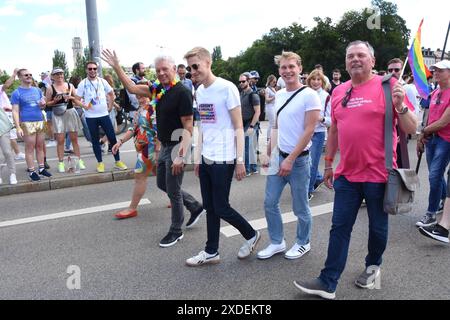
<point x="97" y="101"/>
<point x="358" y="110"/>
<point x="395" y="67"/>
<point x="436" y="137"/>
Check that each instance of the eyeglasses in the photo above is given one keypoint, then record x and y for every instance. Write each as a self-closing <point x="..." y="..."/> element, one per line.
<point x="439" y="96"/>
<point x="346" y="99"/>
<point x="242" y="81"/>
<point x="394" y="69"/>
<point x="195" y="67"/>
<point x="92" y="69"/>
<point x="28" y="75"/>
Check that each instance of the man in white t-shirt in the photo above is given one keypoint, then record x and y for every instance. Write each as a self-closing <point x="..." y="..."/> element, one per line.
<point x="221" y="147"/>
<point x="97" y="98"/>
<point x="298" y="111"/>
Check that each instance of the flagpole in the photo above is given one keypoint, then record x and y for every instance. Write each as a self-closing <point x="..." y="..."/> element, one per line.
<point x="445" y="43"/>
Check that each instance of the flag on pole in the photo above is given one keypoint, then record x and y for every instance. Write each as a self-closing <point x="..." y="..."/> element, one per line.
<point x="418" y="68"/>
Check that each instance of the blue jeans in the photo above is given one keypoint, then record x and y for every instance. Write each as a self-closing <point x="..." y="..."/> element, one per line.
<point x="438" y="156"/>
<point x="347" y="201"/>
<point x="316" y="151"/>
<point x="298" y="180"/>
<point x="251" y="163"/>
<point x="215" y="185"/>
<point x="107" y="126"/>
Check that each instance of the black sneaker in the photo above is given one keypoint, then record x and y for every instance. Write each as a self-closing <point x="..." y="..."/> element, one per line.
<point x="436" y="232"/>
<point x="427" y="220"/>
<point x="316" y="288"/>
<point x="34" y="176"/>
<point x="170" y="239"/>
<point x="45" y="173"/>
<point x="318" y="184"/>
<point x="194" y="218"/>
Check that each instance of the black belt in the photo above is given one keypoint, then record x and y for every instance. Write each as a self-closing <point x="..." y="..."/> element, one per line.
<point x="169" y="144"/>
<point x="285" y="155"/>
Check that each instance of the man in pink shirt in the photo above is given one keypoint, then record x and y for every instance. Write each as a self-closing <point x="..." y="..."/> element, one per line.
<point x="436" y="136"/>
<point x="357" y="130"/>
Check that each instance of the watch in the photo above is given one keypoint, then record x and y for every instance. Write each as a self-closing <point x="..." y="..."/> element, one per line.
<point x="240" y="159"/>
<point x="403" y="111"/>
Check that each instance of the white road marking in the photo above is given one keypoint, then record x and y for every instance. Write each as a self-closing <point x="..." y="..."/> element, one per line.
<point x="289" y="217"/>
<point x="73" y="213"/>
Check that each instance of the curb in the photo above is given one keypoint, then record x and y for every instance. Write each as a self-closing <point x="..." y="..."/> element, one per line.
<point x="70" y="182"/>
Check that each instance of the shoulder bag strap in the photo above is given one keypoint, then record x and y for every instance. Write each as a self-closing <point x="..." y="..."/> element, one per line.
<point x="289" y="100"/>
<point x="388" y="128"/>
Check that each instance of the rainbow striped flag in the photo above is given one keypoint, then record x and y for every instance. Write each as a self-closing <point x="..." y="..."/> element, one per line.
<point x="418" y="68"/>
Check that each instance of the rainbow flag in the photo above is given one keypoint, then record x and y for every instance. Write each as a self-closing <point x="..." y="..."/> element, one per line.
<point x="418" y="68"/>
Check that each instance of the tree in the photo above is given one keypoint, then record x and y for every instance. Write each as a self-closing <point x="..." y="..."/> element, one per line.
<point x="59" y="60"/>
<point x="217" y="54"/>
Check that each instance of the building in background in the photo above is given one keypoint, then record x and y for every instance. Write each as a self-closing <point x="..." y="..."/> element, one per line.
<point x="77" y="48"/>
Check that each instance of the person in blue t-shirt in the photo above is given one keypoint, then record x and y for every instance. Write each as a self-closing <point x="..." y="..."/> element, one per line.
<point x="27" y="103"/>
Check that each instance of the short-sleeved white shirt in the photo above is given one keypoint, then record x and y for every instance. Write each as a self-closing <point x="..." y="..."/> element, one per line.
<point x="4" y="101"/>
<point x="214" y="106"/>
<point x="95" y="90"/>
<point x="291" y="121"/>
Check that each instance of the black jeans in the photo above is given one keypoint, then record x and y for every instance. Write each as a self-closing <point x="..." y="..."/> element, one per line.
<point x="215" y="184"/>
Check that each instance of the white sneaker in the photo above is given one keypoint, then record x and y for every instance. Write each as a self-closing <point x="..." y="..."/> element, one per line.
<point x="203" y="258"/>
<point x="19" y="156"/>
<point x="297" y="251"/>
<point x="12" y="179"/>
<point x="271" y="250"/>
<point x="249" y="246"/>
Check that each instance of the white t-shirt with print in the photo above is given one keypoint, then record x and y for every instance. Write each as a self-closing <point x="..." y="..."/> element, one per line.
<point x="95" y="92"/>
<point x="214" y="106"/>
<point x="291" y="122"/>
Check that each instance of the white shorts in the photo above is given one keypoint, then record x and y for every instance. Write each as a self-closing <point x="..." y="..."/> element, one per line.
<point x="13" y="132"/>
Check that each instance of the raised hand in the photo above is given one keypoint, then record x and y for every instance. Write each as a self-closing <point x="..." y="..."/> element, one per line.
<point x="110" y="58"/>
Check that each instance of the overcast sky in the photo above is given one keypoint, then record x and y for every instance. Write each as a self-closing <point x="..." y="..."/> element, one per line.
<point x="30" y="30"/>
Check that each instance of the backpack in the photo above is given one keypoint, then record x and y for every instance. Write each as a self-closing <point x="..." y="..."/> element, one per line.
<point x="124" y="100"/>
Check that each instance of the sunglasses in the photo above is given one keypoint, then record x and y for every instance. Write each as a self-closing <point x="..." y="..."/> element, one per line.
<point x="439" y="96"/>
<point x="394" y="69"/>
<point x="195" y="67"/>
<point x="92" y="69"/>
<point x="347" y="97"/>
<point x="28" y="75"/>
<point x="242" y="81"/>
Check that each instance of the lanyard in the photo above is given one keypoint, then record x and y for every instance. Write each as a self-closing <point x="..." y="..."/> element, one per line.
<point x="96" y="89"/>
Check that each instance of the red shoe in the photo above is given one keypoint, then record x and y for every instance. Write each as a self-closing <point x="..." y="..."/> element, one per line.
<point x="125" y="214"/>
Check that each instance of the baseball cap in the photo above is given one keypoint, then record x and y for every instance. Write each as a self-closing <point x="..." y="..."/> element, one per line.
<point x="444" y="64"/>
<point x="44" y="73"/>
<point x="57" y="70"/>
<point x="254" y="75"/>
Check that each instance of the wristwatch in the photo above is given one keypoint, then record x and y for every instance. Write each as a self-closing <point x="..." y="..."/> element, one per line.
<point x="240" y="159"/>
<point x="403" y="111"/>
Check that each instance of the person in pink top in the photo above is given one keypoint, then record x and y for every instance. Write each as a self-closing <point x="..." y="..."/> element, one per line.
<point x="357" y="130"/>
<point x="436" y="136"/>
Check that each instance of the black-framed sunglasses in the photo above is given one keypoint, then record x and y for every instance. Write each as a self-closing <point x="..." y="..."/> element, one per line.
<point x="28" y="75"/>
<point x="92" y="69"/>
<point x="394" y="69"/>
<point x="347" y="97"/>
<point x="438" y="100"/>
<point x="195" y="67"/>
<point x="244" y="81"/>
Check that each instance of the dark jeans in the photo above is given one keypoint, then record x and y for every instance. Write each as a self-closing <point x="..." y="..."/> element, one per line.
<point x="215" y="184"/>
<point x="107" y="126"/>
<point x="347" y="201"/>
<point x="251" y="147"/>
<point x="171" y="185"/>
<point x="438" y="156"/>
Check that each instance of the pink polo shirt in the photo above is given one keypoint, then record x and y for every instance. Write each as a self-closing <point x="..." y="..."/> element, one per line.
<point x="437" y="110"/>
<point x="361" y="131"/>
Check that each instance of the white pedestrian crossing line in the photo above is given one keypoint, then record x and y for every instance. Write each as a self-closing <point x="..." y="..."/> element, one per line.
<point x="73" y="213"/>
<point x="289" y="217"/>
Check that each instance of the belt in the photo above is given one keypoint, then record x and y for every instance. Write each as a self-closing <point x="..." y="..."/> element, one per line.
<point x="169" y="144"/>
<point x="285" y="155"/>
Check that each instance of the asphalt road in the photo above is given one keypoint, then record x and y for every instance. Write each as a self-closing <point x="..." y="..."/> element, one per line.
<point x="122" y="259"/>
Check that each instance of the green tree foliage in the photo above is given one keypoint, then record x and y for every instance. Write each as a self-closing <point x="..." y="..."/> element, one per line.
<point x="325" y="43"/>
<point x="80" y="64"/>
<point x="59" y="60"/>
<point x="217" y="54"/>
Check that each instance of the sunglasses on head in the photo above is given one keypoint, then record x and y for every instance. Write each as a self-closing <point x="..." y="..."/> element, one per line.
<point x="347" y="97"/>
<point x="394" y="69"/>
<point x="92" y="69"/>
<point x="439" y="96"/>
<point x="195" y="67"/>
